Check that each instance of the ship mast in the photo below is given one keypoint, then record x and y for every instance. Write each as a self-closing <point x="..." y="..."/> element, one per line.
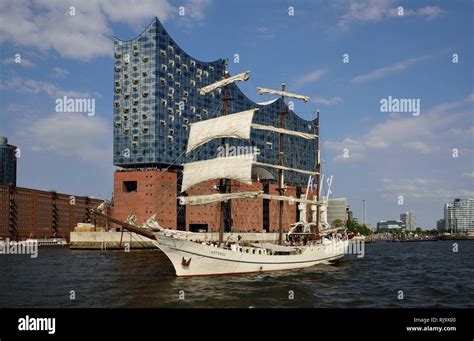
<point x="318" y="176"/>
<point x="224" y="185"/>
<point x="281" y="155"/>
<point x="281" y="162"/>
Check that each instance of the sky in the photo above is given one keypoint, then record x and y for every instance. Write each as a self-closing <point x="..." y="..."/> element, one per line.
<point x="348" y="56"/>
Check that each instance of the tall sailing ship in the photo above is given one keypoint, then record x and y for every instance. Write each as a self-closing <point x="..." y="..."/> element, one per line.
<point x="307" y="243"/>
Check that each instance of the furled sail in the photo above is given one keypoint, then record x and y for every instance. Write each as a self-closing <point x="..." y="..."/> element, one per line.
<point x="285" y="131"/>
<point x="285" y="168"/>
<point x="211" y="87"/>
<point x="282" y="93"/>
<point x="233" y="125"/>
<point x="234" y="167"/>
<point x="213" y="198"/>
<point x="285" y="198"/>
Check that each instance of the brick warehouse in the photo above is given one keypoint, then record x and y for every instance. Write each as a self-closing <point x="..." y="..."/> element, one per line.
<point x="26" y="212"/>
<point x="155" y="99"/>
<point x="145" y="193"/>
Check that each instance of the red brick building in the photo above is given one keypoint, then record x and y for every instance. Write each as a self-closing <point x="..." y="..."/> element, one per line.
<point x="146" y="192"/>
<point x="26" y="212"/>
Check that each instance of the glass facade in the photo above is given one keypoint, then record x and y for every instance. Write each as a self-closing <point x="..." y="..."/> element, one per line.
<point x="156" y="98"/>
<point x="7" y="163"/>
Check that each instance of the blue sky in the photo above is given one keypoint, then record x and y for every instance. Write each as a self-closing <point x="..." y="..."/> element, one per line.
<point x="389" y="154"/>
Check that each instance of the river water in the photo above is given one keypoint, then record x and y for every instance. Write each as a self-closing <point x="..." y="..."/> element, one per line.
<point x="411" y="274"/>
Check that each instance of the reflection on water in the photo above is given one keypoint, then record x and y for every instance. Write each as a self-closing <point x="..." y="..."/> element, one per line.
<point x="429" y="274"/>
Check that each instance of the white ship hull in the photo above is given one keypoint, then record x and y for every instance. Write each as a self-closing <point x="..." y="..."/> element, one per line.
<point x="195" y="259"/>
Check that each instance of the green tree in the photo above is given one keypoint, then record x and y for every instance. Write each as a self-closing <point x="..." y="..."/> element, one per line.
<point x="337" y="223"/>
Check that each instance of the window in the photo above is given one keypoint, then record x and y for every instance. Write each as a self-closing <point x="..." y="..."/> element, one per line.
<point x="163" y="52"/>
<point x="162" y="123"/>
<point x="135" y="67"/>
<point x="145" y="73"/>
<point x="126" y="110"/>
<point x="118" y="55"/>
<point x="135" y="46"/>
<point x="130" y="186"/>
<point x="162" y="80"/>
<point x="163" y="102"/>
<point x="145" y="129"/>
<point x="211" y="68"/>
<point x="171" y="132"/>
<point x="171" y="62"/>
<point x="135" y="123"/>
<point x="170" y="76"/>
<point x="164" y="67"/>
<point x="178" y="71"/>
<point x="135" y="137"/>
<point x="170" y="49"/>
<point x="117" y="104"/>
<point x="193" y="82"/>
<point x="193" y="63"/>
<point x="145" y="59"/>
<point x="185" y="66"/>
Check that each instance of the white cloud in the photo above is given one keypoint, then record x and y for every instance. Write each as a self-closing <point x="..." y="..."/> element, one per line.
<point x="421" y="147"/>
<point x="378" y="10"/>
<point x="430" y="132"/>
<point x="327" y="101"/>
<point x="59" y="72"/>
<point x="47" y="24"/>
<point x="311" y="77"/>
<point x="196" y="8"/>
<point x="469" y="174"/>
<point x="388" y="70"/>
<point x="71" y="135"/>
<point x="36" y="87"/>
<point x="421" y="188"/>
<point x="23" y="62"/>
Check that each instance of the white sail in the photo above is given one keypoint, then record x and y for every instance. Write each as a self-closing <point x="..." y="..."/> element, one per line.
<point x="234" y="167"/>
<point x="282" y="93"/>
<point x="285" y="131"/>
<point x="285" y="168"/>
<point x="234" y="125"/>
<point x="211" y="87"/>
<point x="213" y="198"/>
